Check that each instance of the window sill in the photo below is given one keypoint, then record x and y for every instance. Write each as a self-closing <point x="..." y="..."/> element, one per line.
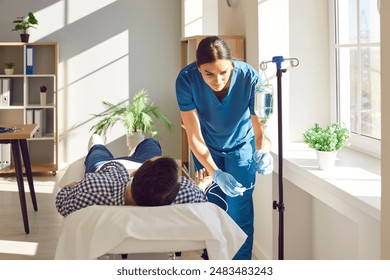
<point x="354" y="183"/>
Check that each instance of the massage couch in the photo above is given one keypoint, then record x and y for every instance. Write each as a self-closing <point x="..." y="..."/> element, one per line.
<point x="97" y="231"/>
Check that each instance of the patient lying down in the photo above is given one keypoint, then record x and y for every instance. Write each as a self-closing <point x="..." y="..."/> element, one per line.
<point x="145" y="178"/>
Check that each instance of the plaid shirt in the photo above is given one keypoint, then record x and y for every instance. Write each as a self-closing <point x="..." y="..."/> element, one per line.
<point x="189" y="192"/>
<point x="104" y="187"/>
<point x="107" y="186"/>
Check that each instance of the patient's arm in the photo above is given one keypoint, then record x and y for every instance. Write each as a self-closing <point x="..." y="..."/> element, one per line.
<point x="203" y="179"/>
<point x="71" y="184"/>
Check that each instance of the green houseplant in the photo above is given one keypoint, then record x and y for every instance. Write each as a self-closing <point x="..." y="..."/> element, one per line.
<point x="326" y="141"/>
<point x="9" y="68"/>
<point x="23" y="24"/>
<point x="138" y="117"/>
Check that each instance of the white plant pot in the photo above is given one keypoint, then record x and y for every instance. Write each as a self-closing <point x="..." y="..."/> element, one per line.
<point x="134" y="139"/>
<point x="326" y="160"/>
<point x="43" y="98"/>
<point x="8" y="71"/>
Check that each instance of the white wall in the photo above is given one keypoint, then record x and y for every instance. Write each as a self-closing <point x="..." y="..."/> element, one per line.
<point x="385" y="72"/>
<point x="109" y="49"/>
<point x="310" y="81"/>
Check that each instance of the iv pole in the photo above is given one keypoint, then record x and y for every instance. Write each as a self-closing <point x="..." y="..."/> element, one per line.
<point x="279" y="205"/>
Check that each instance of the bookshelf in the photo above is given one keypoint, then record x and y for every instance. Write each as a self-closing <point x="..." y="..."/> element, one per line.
<point x="188" y="46"/>
<point x="23" y="105"/>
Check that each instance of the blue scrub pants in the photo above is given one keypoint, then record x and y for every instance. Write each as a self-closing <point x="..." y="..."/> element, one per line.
<point x="239" y="163"/>
<point x="99" y="154"/>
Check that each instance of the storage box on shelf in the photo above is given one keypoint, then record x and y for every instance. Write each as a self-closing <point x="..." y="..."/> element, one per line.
<point x="36" y="64"/>
<point x="188" y="48"/>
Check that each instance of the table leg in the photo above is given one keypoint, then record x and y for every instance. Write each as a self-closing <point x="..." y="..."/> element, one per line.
<point x="19" y="178"/>
<point x="27" y="167"/>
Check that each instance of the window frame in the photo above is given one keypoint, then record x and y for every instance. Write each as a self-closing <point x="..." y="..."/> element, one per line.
<point x="361" y="143"/>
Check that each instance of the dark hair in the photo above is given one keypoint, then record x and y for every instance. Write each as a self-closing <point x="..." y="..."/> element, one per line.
<point x="156" y="182"/>
<point x="212" y="48"/>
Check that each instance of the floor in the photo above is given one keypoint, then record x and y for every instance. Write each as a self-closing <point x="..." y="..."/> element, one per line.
<point x="45" y="224"/>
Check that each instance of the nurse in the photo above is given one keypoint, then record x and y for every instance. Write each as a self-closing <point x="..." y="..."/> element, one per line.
<point x="215" y="95"/>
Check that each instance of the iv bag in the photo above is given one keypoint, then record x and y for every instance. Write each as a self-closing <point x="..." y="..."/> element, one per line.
<point x="264" y="95"/>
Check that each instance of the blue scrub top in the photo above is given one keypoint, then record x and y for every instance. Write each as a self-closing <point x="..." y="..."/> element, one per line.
<point x="225" y="124"/>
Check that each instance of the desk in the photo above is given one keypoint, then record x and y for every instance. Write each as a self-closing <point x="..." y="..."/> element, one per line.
<point x="18" y="140"/>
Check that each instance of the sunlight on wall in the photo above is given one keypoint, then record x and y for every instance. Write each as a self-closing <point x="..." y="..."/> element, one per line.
<point x="77" y="11"/>
<point x="98" y="57"/>
<point x="97" y="74"/>
<point x="274" y="41"/>
<point x="193" y="17"/>
<point x="273" y="29"/>
<point x="50" y="19"/>
<point x="18" y="247"/>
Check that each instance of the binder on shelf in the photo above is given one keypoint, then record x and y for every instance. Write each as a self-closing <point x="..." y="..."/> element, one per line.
<point x="29" y="116"/>
<point x="5" y="156"/>
<point x="5" y="92"/>
<point x="39" y="119"/>
<point x="29" y="60"/>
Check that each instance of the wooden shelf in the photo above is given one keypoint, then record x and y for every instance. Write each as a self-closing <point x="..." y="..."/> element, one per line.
<point x="48" y="169"/>
<point x="24" y="90"/>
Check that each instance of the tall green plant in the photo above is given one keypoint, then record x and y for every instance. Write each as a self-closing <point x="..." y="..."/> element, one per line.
<point x="136" y="116"/>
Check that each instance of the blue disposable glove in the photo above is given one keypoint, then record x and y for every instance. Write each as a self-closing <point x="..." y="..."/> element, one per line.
<point x="227" y="183"/>
<point x="264" y="162"/>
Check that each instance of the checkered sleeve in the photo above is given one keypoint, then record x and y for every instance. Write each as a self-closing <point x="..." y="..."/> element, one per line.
<point x="104" y="187"/>
<point x="70" y="199"/>
<point x="189" y="192"/>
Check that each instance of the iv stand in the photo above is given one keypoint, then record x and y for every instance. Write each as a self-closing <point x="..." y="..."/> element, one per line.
<point x="279" y="205"/>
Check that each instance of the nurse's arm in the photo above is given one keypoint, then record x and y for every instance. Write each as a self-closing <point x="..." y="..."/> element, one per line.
<point x="258" y="128"/>
<point x="196" y="141"/>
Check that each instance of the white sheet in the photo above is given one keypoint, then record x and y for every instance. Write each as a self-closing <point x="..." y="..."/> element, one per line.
<point x="97" y="230"/>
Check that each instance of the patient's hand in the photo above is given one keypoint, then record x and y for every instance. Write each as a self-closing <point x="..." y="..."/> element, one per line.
<point x="203" y="179"/>
<point x="71" y="184"/>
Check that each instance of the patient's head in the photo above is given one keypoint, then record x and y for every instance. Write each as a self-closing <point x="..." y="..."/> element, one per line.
<point x="156" y="182"/>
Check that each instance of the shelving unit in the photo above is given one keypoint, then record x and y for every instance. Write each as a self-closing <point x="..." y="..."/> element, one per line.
<point x="188" y="46"/>
<point x="24" y="101"/>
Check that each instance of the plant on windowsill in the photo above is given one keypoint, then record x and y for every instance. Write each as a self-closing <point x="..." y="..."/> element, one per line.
<point x="138" y="117"/>
<point x="23" y="24"/>
<point x="9" y="68"/>
<point x="326" y="141"/>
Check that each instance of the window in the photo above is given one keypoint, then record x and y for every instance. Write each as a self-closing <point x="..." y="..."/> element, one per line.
<point x="357" y="63"/>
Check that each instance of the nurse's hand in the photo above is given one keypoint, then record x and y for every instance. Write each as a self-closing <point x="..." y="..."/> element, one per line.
<point x="264" y="162"/>
<point x="227" y="183"/>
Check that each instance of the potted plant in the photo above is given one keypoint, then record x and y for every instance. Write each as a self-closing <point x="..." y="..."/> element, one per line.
<point x="9" y="68"/>
<point x="23" y="24"/>
<point x="326" y="141"/>
<point x="138" y="117"/>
